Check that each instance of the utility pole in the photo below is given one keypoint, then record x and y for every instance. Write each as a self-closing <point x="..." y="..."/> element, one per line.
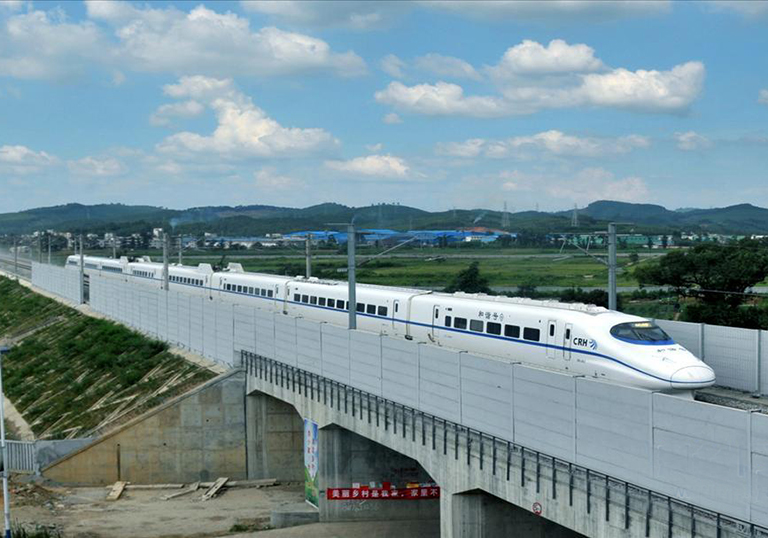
<point x="4" y="449"/>
<point x="114" y="247"/>
<point x="82" y="271"/>
<point x="16" y="257"/>
<point x="40" y="248"/>
<point x="166" y="287"/>
<point x="351" y="276"/>
<point x="181" y="245"/>
<point x="49" y="249"/>
<point x="612" y="266"/>
<point x="308" y="253"/>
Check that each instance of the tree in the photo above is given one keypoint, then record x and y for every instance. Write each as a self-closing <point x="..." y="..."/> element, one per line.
<point x="714" y="274"/>
<point x="634" y="257"/>
<point x="469" y="281"/>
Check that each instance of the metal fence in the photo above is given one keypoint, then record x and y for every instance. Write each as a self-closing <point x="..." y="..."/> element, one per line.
<point x="22" y="456"/>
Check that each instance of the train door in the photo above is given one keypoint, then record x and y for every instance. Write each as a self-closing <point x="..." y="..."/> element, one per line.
<point x="435" y="322"/>
<point x="567" y="341"/>
<point x="395" y="313"/>
<point x="552" y="339"/>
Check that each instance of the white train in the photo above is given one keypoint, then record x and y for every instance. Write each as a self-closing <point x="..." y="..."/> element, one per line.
<point x="576" y="338"/>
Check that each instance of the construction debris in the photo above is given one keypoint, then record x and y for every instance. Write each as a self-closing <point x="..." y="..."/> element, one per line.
<point x="191" y="489"/>
<point x="117" y="490"/>
<point x="214" y="489"/>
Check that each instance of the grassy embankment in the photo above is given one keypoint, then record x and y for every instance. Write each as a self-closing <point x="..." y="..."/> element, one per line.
<point x="69" y="374"/>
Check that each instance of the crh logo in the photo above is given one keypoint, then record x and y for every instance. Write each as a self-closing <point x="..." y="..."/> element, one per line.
<point x="585" y="342"/>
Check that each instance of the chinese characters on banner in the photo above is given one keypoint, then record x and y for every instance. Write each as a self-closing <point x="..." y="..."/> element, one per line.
<point x="311" y="489"/>
<point x="345" y="494"/>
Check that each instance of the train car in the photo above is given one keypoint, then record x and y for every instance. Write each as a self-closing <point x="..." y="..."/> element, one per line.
<point x="575" y="338"/>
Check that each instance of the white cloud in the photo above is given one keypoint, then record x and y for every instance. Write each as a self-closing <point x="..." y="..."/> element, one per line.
<point x="355" y="15"/>
<point x="747" y="8"/>
<point x="243" y="129"/>
<point x="691" y="141"/>
<point x="646" y="91"/>
<point x="551" y="142"/>
<point x="43" y="45"/>
<point x="392" y="119"/>
<point x="12" y="5"/>
<point x="372" y="165"/>
<point x="762" y="97"/>
<point x="532" y="58"/>
<point x="503" y="10"/>
<point x="374" y="148"/>
<point x="267" y="178"/>
<point x="22" y="160"/>
<point x="446" y="66"/>
<point x="441" y="99"/>
<point x="599" y="184"/>
<point x="186" y="109"/>
<point x="657" y="91"/>
<point x="393" y="66"/>
<point x="97" y="167"/>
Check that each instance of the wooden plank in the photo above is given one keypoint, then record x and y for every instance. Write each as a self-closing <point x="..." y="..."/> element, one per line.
<point x="191" y="489"/>
<point x="214" y="489"/>
<point x="117" y="490"/>
<point x="245" y="483"/>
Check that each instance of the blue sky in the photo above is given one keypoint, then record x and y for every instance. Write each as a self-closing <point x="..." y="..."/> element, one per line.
<point x="430" y="104"/>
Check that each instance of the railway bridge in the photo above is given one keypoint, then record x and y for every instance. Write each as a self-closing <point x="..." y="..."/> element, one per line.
<point x="508" y="448"/>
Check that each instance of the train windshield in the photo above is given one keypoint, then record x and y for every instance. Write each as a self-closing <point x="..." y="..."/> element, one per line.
<point x="641" y="332"/>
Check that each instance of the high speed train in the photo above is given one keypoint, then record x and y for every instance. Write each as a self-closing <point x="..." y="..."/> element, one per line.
<point x="576" y="338"/>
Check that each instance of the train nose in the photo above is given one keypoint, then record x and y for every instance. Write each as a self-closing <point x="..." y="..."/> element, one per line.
<point x="693" y="377"/>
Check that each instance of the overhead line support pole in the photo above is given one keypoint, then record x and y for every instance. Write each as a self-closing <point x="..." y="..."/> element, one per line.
<point x="82" y="271"/>
<point x="351" y="276"/>
<point x="308" y="253"/>
<point x="4" y="449"/>
<point x="612" y="266"/>
<point x="166" y="287"/>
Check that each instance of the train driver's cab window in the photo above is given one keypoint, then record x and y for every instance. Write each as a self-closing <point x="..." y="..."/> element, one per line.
<point x="460" y="323"/>
<point x="531" y="334"/>
<point x="476" y="325"/>
<point x="512" y="331"/>
<point x="493" y="328"/>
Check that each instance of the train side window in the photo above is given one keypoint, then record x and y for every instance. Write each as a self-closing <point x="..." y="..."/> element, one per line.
<point x="476" y="325"/>
<point x="493" y="328"/>
<point x="382" y="311"/>
<point x="447" y="321"/>
<point x="270" y="293"/>
<point x="305" y="298"/>
<point x="370" y="309"/>
<point x="313" y="300"/>
<point x="297" y="297"/>
<point x="552" y="329"/>
<point x="460" y="323"/>
<point x="263" y="292"/>
<point x="331" y="303"/>
<point x="512" y="331"/>
<point x="531" y="334"/>
<point x="250" y="290"/>
<point x="321" y="301"/>
<point x="360" y="307"/>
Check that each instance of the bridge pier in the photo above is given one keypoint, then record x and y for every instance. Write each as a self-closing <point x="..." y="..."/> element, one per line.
<point x="274" y="439"/>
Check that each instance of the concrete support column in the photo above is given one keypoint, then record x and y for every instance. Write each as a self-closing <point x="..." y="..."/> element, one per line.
<point x="274" y="439"/>
<point x="346" y="458"/>
<point x="477" y="514"/>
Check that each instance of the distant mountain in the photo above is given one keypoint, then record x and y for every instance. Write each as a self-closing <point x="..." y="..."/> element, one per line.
<point x="260" y="219"/>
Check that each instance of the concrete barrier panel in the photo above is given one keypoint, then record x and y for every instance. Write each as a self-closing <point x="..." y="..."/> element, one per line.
<point x="732" y="353"/>
<point x="613" y="429"/>
<point x="335" y="351"/>
<point x="487" y="386"/>
<point x="244" y="327"/>
<point x="265" y="333"/>
<point x="285" y="339"/>
<point x="764" y="362"/>
<point x="544" y="416"/>
<point x="225" y="331"/>
<point x="185" y="320"/>
<point x="439" y="383"/>
<point x="760" y="468"/>
<point x="684" y="333"/>
<point x="701" y="453"/>
<point x="309" y="344"/>
<point x="365" y="361"/>
<point x="400" y="371"/>
<point x="196" y="324"/>
<point x="209" y="327"/>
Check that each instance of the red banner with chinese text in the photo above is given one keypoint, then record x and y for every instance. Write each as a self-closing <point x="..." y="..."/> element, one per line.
<point x="346" y="494"/>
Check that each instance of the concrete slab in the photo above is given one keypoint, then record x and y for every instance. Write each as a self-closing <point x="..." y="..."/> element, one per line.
<point x="293" y="515"/>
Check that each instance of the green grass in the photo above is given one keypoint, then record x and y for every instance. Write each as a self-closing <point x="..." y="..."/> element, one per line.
<point x="69" y="376"/>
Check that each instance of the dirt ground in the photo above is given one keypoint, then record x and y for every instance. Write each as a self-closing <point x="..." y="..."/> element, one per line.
<point x="240" y="513"/>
